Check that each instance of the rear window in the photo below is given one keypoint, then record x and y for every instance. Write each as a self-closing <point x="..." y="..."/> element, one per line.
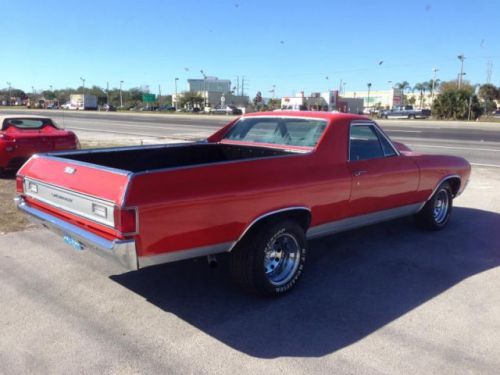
<point x="27" y="123"/>
<point x="276" y="130"/>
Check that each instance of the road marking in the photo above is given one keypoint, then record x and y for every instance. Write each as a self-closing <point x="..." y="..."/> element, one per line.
<point x="454" y="147"/>
<point x="485" y="165"/>
<point x="402" y="131"/>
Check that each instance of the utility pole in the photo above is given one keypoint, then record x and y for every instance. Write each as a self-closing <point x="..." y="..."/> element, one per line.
<point x="243" y="88"/>
<point x="121" y="97"/>
<point x="368" y="99"/>
<point x="159" y="95"/>
<point x="83" y="84"/>
<point x="489" y="68"/>
<point x="175" y="83"/>
<point x="107" y="93"/>
<point x="10" y="95"/>
<point x="461" y="57"/>
<point x="435" y="70"/>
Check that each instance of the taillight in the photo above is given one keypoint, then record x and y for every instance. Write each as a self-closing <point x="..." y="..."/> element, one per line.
<point x="5" y="137"/>
<point x="20" y="184"/>
<point x="126" y="220"/>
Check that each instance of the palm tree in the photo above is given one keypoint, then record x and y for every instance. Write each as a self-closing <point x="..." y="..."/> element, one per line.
<point x="403" y="86"/>
<point x="422" y="87"/>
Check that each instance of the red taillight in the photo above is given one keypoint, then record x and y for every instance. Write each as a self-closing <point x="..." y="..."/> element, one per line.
<point x="20" y="184"/>
<point x="5" y="137"/>
<point x="125" y="220"/>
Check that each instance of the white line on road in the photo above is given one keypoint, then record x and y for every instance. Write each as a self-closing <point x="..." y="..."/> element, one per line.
<point x="486" y="165"/>
<point x="454" y="147"/>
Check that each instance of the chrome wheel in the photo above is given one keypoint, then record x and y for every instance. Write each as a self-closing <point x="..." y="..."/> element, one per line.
<point x="441" y="206"/>
<point x="281" y="259"/>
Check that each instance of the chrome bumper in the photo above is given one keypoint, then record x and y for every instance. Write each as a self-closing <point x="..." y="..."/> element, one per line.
<point x="121" y="251"/>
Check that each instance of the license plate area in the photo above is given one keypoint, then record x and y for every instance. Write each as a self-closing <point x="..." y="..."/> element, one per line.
<point x="74" y="243"/>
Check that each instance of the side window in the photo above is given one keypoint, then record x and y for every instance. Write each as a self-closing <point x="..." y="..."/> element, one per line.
<point x="386" y="146"/>
<point x="364" y="143"/>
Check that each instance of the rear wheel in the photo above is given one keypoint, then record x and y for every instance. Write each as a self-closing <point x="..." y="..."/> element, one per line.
<point x="436" y="212"/>
<point x="270" y="260"/>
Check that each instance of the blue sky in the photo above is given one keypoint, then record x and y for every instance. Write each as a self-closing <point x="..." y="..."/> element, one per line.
<point x="294" y="45"/>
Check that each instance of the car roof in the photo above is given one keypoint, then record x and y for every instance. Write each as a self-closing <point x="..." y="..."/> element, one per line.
<point x="309" y="115"/>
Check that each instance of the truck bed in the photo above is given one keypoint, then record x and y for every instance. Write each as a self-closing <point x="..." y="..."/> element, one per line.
<point x="147" y="158"/>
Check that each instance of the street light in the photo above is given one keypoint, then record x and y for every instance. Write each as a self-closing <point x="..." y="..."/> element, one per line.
<point x="121" y="98"/>
<point x="205" y="93"/>
<point x="461" y="57"/>
<point x="175" y="83"/>
<point x="10" y="95"/>
<point x="368" y="99"/>
<point x="83" y="84"/>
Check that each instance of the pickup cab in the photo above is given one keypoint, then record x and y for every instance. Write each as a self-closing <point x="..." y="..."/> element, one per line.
<point x="257" y="189"/>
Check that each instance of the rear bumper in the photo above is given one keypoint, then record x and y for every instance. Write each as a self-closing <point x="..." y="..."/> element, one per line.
<point x="121" y="251"/>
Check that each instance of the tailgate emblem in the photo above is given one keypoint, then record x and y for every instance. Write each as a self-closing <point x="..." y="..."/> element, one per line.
<point x="69" y="170"/>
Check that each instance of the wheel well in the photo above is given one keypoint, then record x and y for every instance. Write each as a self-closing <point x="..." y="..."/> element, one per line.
<point x="300" y="215"/>
<point x="454" y="184"/>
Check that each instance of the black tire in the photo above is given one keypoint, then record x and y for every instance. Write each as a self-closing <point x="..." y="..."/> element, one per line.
<point x="411" y="117"/>
<point x="436" y="212"/>
<point x="260" y="265"/>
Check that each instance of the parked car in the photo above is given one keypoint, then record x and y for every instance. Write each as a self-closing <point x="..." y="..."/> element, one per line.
<point x="256" y="189"/>
<point x="52" y="106"/>
<point x="405" y="112"/>
<point x="226" y="110"/>
<point x="109" y="108"/>
<point x="23" y="136"/>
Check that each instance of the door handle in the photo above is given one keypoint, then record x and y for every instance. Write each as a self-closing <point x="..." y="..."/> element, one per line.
<point x="359" y="172"/>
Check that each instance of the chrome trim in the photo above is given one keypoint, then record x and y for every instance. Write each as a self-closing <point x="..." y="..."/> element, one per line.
<point x="174" y="256"/>
<point x="362" y="220"/>
<point x="121" y="251"/>
<point x="263" y="216"/>
<point x="80" y="204"/>
<point x="84" y="164"/>
<point x="443" y="180"/>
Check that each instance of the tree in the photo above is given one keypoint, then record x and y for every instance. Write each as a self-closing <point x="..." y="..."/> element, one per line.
<point x="191" y="99"/>
<point x="454" y="104"/>
<point x="489" y="93"/>
<point x="422" y="87"/>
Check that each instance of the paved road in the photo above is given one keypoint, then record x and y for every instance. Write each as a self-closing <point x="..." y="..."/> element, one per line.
<point x="479" y="143"/>
<point x="388" y="299"/>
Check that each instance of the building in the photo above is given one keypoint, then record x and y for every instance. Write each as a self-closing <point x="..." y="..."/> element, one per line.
<point x="210" y="84"/>
<point x="378" y="98"/>
<point x="326" y="101"/>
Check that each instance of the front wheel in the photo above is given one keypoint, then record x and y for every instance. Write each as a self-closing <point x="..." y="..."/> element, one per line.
<point x="270" y="260"/>
<point x="436" y="212"/>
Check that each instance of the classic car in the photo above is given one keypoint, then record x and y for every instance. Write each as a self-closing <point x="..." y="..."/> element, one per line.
<point x="256" y="189"/>
<point x="22" y="136"/>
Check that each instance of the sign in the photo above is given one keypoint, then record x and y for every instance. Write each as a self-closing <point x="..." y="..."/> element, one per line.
<point x="148" y="98"/>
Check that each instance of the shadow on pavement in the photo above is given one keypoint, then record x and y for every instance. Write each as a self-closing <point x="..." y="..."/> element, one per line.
<point x="354" y="283"/>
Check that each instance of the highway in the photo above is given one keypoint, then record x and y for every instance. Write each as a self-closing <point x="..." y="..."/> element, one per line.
<point x="477" y="142"/>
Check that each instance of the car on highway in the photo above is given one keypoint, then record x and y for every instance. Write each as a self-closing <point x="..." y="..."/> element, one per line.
<point x="226" y="110"/>
<point x="23" y="136"/>
<point x="109" y="108"/>
<point x="257" y="189"/>
<point x="406" y="112"/>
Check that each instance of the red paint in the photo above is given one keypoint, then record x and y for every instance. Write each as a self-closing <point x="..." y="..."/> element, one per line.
<point x="18" y="145"/>
<point x="189" y="207"/>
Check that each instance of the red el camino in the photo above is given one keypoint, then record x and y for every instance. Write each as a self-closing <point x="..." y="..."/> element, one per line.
<point x="22" y="136"/>
<point x="257" y="189"/>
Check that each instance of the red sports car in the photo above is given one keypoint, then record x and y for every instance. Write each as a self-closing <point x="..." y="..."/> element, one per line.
<point x="22" y="136"/>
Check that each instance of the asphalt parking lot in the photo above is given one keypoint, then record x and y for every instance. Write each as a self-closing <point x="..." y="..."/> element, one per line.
<point x="385" y="299"/>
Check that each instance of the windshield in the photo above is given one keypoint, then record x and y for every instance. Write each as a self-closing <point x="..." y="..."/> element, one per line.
<point x="276" y="130"/>
<point x="27" y="123"/>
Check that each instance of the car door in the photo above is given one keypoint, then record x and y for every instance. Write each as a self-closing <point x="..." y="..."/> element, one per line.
<point x="382" y="179"/>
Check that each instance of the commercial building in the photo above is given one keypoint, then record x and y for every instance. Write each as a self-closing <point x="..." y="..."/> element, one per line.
<point x="378" y="98"/>
<point x="210" y="84"/>
<point x="326" y="101"/>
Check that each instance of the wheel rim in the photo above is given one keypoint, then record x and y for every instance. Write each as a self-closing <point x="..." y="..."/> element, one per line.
<point x="282" y="259"/>
<point x="441" y="206"/>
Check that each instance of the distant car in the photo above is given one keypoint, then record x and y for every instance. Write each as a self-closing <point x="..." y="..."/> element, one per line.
<point x="52" y="106"/>
<point x="496" y="113"/>
<point x="23" y="136"/>
<point x="405" y="112"/>
<point x="109" y="108"/>
<point x="166" y="108"/>
<point x="226" y="110"/>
